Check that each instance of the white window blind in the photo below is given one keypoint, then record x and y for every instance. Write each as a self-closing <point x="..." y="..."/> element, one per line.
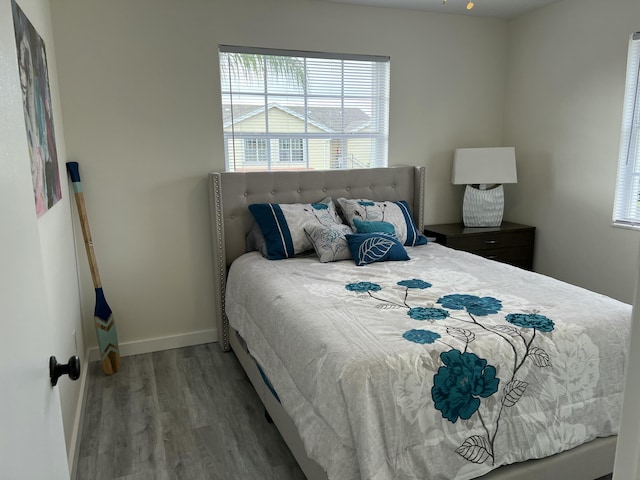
<point x="305" y="110"/>
<point x="626" y="209"/>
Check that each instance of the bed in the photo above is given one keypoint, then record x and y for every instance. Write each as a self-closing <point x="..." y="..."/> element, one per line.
<point x="368" y="387"/>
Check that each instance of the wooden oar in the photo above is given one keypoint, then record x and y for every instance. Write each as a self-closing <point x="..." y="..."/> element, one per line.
<point x="104" y="323"/>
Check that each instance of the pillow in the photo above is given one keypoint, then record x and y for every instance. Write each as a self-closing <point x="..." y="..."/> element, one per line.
<point x="375" y="247"/>
<point x="255" y="240"/>
<point x="363" y="226"/>
<point x="330" y="242"/>
<point x="396" y="213"/>
<point x="282" y="225"/>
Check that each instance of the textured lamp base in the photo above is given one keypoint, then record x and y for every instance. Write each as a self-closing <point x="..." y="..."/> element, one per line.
<point x="483" y="208"/>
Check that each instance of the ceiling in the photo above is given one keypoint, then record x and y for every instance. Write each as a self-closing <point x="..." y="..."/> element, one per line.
<point x="482" y="8"/>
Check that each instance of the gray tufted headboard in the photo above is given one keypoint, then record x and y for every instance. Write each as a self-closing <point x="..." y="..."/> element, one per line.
<point x="230" y="193"/>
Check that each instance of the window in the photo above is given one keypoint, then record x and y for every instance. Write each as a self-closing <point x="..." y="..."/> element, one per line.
<point x="291" y="150"/>
<point x="256" y="150"/>
<point x="626" y="209"/>
<point x="287" y="109"/>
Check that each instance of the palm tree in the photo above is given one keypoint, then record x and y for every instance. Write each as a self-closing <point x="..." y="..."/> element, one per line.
<point x="248" y="64"/>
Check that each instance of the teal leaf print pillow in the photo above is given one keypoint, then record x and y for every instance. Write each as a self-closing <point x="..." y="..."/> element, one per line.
<point x="375" y="247"/>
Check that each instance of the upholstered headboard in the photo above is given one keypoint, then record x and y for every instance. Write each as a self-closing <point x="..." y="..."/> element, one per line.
<point x="230" y="193"/>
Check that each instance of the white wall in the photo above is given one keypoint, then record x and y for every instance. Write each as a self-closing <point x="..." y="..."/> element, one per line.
<point x="140" y="88"/>
<point x="566" y="74"/>
<point x="56" y="240"/>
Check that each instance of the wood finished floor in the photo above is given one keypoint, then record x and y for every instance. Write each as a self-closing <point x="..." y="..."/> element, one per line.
<point x="184" y="414"/>
<point x="189" y="413"/>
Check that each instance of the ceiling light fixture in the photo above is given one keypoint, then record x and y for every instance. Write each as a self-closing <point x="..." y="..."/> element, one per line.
<point x="469" y="5"/>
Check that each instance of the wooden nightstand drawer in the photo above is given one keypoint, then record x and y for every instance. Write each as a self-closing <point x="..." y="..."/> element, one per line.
<point x="518" y="256"/>
<point x="510" y="243"/>
<point x="474" y="242"/>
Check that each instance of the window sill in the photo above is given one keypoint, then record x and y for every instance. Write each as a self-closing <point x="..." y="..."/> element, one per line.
<point x="626" y="226"/>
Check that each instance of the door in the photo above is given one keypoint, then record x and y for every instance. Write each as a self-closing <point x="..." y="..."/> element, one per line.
<point x="32" y="442"/>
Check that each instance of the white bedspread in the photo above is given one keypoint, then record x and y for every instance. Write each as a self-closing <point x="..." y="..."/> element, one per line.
<point x="446" y="366"/>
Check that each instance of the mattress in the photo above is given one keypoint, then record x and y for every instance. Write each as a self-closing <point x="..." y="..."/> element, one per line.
<point x="445" y="366"/>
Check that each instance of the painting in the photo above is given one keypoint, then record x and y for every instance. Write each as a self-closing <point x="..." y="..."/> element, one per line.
<point x="38" y="114"/>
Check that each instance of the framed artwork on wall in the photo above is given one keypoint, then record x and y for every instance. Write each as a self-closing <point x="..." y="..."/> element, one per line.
<point x="38" y="114"/>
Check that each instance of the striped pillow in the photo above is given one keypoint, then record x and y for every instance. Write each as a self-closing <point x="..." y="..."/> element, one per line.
<point x="282" y="225"/>
<point x="396" y="213"/>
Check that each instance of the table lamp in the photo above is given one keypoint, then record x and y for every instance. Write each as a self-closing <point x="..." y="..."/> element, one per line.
<point x="484" y="170"/>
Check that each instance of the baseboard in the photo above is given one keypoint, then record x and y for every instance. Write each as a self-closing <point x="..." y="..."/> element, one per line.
<point x="78" y="421"/>
<point x="160" y="343"/>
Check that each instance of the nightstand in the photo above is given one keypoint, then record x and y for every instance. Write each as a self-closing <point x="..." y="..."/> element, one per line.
<point x="510" y="243"/>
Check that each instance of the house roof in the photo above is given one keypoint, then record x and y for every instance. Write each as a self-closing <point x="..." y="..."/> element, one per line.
<point x="328" y="119"/>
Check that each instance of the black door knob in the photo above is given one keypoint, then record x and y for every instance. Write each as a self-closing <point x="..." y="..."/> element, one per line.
<point x="56" y="370"/>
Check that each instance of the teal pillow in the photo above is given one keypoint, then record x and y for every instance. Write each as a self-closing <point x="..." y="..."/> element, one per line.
<point x="363" y="226"/>
<point x="375" y="247"/>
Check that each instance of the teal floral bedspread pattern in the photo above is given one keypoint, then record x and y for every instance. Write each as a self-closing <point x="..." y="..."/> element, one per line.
<point x="445" y="366"/>
<point x="464" y="379"/>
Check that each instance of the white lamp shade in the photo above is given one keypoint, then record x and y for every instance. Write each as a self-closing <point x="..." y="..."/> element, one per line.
<point x="484" y="166"/>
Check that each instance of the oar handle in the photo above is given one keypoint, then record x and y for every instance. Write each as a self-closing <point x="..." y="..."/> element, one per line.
<point x="74" y="173"/>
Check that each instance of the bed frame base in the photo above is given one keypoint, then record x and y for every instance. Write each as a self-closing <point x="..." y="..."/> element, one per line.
<point x="275" y="412"/>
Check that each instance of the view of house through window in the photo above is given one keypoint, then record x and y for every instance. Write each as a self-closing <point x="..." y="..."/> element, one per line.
<point x="285" y="110"/>
<point x="256" y="150"/>
<point x="626" y="209"/>
<point x="291" y="150"/>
